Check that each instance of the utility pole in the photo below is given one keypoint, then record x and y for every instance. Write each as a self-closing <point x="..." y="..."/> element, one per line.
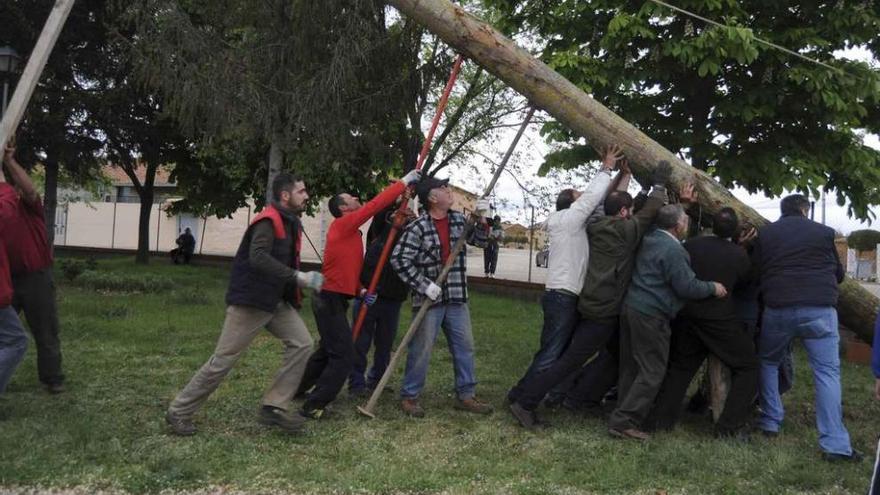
<point x="531" y="240"/>
<point x="824" y="192"/>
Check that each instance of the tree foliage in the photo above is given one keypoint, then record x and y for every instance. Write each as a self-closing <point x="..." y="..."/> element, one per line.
<point x="748" y="113"/>
<point x="863" y="240"/>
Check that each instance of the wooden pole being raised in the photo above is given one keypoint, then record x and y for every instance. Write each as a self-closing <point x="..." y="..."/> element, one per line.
<point x="34" y="68"/>
<point x="563" y="100"/>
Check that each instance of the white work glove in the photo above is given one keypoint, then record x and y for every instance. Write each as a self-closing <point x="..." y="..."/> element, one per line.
<point x="482" y="207"/>
<point x="433" y="292"/>
<point x="412" y="177"/>
<point x="312" y="280"/>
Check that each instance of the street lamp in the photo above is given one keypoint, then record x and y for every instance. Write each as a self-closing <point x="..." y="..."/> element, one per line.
<point x="8" y="64"/>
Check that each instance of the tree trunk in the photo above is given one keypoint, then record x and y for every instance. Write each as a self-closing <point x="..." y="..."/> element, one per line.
<point x="143" y="249"/>
<point x="550" y="91"/>
<point x="50" y="199"/>
<point x="276" y="157"/>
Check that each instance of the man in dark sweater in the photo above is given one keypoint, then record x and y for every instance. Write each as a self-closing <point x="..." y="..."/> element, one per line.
<point x="799" y="271"/>
<point x="713" y="325"/>
<point x="382" y="318"/>
<point x="264" y="291"/>
<point x="661" y="281"/>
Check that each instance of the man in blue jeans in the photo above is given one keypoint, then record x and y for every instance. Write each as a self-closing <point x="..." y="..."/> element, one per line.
<point x="13" y="341"/>
<point x="799" y="271"/>
<point x="875" y="367"/>
<point x="418" y="258"/>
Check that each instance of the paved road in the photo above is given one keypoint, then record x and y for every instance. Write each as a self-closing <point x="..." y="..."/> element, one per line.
<point x="513" y="264"/>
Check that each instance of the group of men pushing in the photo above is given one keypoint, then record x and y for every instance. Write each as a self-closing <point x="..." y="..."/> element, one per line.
<point x="626" y="304"/>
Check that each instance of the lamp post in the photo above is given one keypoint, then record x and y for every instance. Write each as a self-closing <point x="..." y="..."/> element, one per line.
<point x="8" y="64"/>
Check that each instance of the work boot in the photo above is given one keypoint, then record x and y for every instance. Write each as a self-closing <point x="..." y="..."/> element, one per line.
<point x="55" y="388"/>
<point x="274" y="416"/>
<point x="316" y="413"/>
<point x="473" y="405"/>
<point x="629" y="433"/>
<point x="411" y="407"/>
<point x="359" y="393"/>
<point x="180" y="425"/>
<point x="527" y="419"/>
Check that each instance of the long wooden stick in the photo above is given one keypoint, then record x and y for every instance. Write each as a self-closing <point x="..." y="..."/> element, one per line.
<point x="547" y="89"/>
<point x="370" y="407"/>
<point x="34" y="69"/>
<point x="400" y="214"/>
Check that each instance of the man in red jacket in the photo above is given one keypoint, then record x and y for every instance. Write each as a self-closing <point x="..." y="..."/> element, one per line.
<point x="332" y="362"/>
<point x="30" y="264"/>
<point x="13" y="341"/>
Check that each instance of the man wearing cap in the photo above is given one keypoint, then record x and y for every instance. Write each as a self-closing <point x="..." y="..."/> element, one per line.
<point x="418" y="258"/>
<point x="332" y="362"/>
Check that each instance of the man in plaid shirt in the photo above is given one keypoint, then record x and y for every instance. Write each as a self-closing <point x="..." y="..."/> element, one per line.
<point x="418" y="259"/>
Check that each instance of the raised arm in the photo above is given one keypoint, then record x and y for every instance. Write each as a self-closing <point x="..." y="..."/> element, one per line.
<point x="19" y="177"/>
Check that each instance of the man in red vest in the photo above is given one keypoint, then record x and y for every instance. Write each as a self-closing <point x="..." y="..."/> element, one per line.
<point x="13" y="341"/>
<point x="332" y="362"/>
<point x="30" y="263"/>
<point x="264" y="291"/>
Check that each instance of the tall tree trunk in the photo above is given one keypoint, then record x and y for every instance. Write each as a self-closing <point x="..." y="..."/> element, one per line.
<point x="550" y="91"/>
<point x="276" y="158"/>
<point x="146" y="209"/>
<point x="50" y="199"/>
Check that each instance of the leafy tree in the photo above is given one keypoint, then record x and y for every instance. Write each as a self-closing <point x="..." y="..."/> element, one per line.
<point x="863" y="240"/>
<point x="748" y="113"/>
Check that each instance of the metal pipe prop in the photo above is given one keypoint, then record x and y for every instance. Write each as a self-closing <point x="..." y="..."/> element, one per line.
<point x="369" y="408"/>
<point x="400" y="215"/>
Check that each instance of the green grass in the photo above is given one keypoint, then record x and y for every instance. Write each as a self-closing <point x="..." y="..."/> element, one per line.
<point x="127" y="353"/>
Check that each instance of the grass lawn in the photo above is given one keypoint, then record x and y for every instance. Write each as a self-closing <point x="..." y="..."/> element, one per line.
<point x="126" y="355"/>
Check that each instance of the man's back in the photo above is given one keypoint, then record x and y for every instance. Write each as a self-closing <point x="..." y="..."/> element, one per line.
<point x="798" y="263"/>
<point x="713" y="258"/>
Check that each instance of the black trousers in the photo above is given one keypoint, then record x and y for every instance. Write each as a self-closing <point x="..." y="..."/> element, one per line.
<point x="329" y="366"/>
<point x="589" y="338"/>
<point x="490" y="258"/>
<point x="598" y="377"/>
<point x="692" y="341"/>
<point x="35" y="296"/>
<point x="644" y="351"/>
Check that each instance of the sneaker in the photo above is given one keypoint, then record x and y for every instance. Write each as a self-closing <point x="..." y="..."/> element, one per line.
<point x="854" y="456"/>
<point x="553" y="402"/>
<point x="411" y="407"/>
<point x="629" y="433"/>
<point x="474" y="405"/>
<point x="273" y="416"/>
<point x="740" y="435"/>
<point x="180" y="425"/>
<point x="55" y="388"/>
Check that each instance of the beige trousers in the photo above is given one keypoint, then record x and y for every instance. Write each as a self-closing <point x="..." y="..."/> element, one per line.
<point x="239" y="329"/>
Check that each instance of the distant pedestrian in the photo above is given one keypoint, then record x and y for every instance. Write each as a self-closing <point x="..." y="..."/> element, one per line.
<point x="30" y="262"/>
<point x="186" y="246"/>
<point x="493" y="245"/>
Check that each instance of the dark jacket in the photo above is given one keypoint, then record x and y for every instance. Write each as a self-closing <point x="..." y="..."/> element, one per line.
<point x="390" y="285"/>
<point x="720" y="260"/>
<point x="263" y="284"/>
<point x="663" y="278"/>
<point x="797" y="263"/>
<point x="613" y="244"/>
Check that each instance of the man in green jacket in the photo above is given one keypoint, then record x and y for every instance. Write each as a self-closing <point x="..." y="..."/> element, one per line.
<point x="662" y="280"/>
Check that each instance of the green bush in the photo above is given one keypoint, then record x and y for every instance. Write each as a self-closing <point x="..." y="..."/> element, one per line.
<point x="71" y="268"/>
<point x="118" y="282"/>
<point x="863" y="240"/>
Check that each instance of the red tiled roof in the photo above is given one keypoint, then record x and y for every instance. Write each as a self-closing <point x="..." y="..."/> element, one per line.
<point x="119" y="178"/>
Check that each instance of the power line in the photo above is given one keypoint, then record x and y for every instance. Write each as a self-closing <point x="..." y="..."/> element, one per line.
<point x="759" y="40"/>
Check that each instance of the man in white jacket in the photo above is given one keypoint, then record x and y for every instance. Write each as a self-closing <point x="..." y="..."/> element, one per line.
<point x="569" y="252"/>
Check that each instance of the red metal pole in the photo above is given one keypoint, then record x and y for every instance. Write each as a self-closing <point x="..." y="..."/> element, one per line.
<point x="400" y="215"/>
